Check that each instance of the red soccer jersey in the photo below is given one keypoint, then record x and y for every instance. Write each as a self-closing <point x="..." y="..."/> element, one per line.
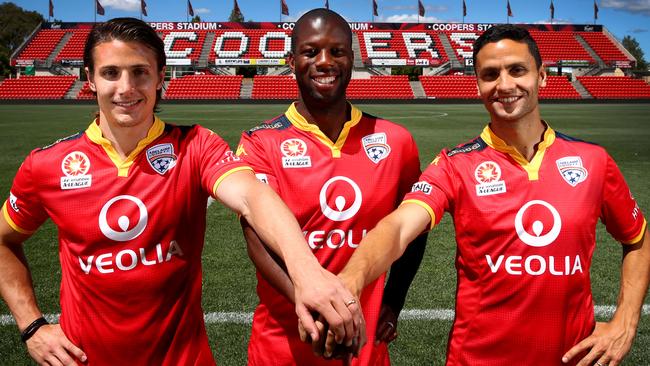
<point x="338" y="191"/>
<point x="130" y="238"/>
<point x="526" y="234"/>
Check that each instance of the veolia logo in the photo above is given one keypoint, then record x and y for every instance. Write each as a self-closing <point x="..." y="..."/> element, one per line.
<point x="340" y="213"/>
<point x="123" y="221"/>
<point x="538" y="240"/>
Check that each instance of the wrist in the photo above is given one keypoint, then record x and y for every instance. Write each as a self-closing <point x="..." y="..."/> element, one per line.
<point x="32" y="328"/>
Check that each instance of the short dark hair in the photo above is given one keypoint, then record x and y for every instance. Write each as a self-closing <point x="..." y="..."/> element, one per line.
<point x="508" y="31"/>
<point x="318" y="13"/>
<point x="125" y="30"/>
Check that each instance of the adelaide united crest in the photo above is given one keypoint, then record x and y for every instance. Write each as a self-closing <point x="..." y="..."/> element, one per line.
<point x="376" y="147"/>
<point x="161" y="157"/>
<point x="571" y="169"/>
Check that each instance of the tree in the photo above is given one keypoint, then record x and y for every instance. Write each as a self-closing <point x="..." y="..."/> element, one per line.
<point x="196" y="19"/>
<point x="236" y="14"/>
<point x="632" y="46"/>
<point x="15" y="25"/>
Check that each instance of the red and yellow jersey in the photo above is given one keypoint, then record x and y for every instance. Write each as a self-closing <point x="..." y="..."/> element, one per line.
<point x="130" y="238"/>
<point x="338" y="191"/>
<point x="526" y="232"/>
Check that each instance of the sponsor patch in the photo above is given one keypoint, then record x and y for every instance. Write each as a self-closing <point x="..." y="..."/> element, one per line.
<point x="75" y="166"/>
<point x="262" y="178"/>
<point x="295" y="154"/>
<point x="13" y="202"/>
<point x="423" y="187"/>
<point x="488" y="175"/>
<point x="376" y="147"/>
<point x="571" y="169"/>
<point x="161" y="157"/>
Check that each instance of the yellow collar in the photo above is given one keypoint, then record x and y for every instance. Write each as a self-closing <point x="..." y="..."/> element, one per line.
<point x="94" y="133"/>
<point x="298" y="121"/>
<point x="531" y="167"/>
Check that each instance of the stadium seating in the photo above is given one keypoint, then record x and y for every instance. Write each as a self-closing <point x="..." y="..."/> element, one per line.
<point x="250" y="44"/>
<point x="204" y="87"/>
<point x="85" y="93"/>
<point x="36" y="87"/>
<point x="615" y="87"/>
<point x="380" y="87"/>
<point x="603" y="46"/>
<point x="183" y="44"/>
<point x="274" y="87"/>
<point x="74" y="48"/>
<point x="42" y="45"/>
<point x="560" y="45"/>
<point x="449" y="87"/>
<point x="462" y="43"/>
<point x="401" y="45"/>
<point x="558" y="87"/>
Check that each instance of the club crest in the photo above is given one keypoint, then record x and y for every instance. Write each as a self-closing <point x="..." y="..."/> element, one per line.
<point x="161" y="157"/>
<point x="376" y="147"/>
<point x="571" y="169"/>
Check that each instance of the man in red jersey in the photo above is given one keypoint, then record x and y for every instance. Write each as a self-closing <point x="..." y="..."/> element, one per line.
<point x="128" y="196"/>
<point x="525" y="200"/>
<point x="339" y="170"/>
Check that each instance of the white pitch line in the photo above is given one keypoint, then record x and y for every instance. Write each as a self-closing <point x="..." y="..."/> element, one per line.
<point x="407" y="314"/>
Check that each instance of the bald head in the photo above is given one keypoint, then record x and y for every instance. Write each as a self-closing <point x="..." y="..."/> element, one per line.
<point x="313" y="17"/>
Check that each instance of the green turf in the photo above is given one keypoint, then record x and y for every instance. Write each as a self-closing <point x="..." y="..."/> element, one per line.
<point x="229" y="282"/>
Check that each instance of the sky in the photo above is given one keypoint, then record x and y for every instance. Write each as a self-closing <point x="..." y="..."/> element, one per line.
<point x="620" y="17"/>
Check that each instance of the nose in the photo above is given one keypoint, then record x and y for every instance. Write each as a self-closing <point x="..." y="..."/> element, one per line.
<point x="324" y="58"/>
<point x="126" y="82"/>
<point x="505" y="82"/>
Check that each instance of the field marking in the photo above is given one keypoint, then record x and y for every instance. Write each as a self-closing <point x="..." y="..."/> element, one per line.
<point x="432" y="115"/>
<point x="408" y="314"/>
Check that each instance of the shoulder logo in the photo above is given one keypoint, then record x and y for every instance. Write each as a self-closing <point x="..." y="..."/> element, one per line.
<point x="421" y="186"/>
<point x="161" y="157"/>
<point x="376" y="147"/>
<point x="488" y="176"/>
<point x="13" y="202"/>
<point x="75" y="167"/>
<point x="571" y="169"/>
<point x="295" y="154"/>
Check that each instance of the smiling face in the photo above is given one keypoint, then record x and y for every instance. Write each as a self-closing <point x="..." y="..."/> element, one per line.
<point x="322" y="60"/>
<point x="126" y="78"/>
<point x="509" y="81"/>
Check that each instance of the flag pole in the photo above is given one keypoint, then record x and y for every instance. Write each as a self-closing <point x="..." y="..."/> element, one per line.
<point x="95" y="10"/>
<point x="463" y="10"/>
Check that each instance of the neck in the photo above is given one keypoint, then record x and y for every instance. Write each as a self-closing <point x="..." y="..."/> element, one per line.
<point x="524" y="135"/>
<point x="329" y="120"/>
<point x="124" y="138"/>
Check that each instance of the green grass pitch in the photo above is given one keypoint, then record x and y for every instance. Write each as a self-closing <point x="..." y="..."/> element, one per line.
<point x="229" y="282"/>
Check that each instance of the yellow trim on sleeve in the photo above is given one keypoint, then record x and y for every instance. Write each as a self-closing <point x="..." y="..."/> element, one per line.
<point x="531" y="167"/>
<point x="95" y="135"/>
<point x="638" y="238"/>
<point x="224" y="175"/>
<point x="301" y="123"/>
<point x="12" y="223"/>
<point x="424" y="206"/>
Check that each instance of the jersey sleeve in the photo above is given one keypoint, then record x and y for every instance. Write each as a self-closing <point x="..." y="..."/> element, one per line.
<point x="23" y="210"/>
<point x="620" y="212"/>
<point x="216" y="160"/>
<point x="435" y="189"/>
<point x="255" y="154"/>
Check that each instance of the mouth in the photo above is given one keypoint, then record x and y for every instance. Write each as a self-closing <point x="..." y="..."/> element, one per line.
<point x="507" y="100"/>
<point x="127" y="104"/>
<point x="324" y="80"/>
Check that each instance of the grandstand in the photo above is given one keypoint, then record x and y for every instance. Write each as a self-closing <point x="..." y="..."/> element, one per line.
<point x="203" y="60"/>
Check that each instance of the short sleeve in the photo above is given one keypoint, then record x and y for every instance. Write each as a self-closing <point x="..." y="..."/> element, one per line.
<point x="254" y="153"/>
<point x="434" y="190"/>
<point x="23" y="209"/>
<point x="620" y="212"/>
<point x="216" y="160"/>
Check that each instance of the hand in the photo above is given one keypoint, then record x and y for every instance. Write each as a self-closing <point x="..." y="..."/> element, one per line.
<point x="49" y="346"/>
<point x="336" y="351"/>
<point x="386" y="325"/>
<point x="607" y="345"/>
<point x="325" y="294"/>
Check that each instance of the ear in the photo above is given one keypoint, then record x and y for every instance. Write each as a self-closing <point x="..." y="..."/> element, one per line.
<point x="292" y="62"/>
<point x="91" y="81"/>
<point x="542" y="76"/>
<point x="161" y="80"/>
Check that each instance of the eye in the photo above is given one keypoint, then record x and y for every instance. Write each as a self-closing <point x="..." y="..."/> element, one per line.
<point x="309" y="52"/>
<point x="140" y="71"/>
<point x="518" y="70"/>
<point x="108" y="73"/>
<point x="489" y="75"/>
